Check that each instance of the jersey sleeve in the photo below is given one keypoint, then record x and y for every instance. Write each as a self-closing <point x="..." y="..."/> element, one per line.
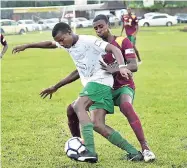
<point x="98" y="44"/>
<point x="57" y="44"/>
<point x="3" y="41"/>
<point x="135" y="19"/>
<point x="128" y="49"/>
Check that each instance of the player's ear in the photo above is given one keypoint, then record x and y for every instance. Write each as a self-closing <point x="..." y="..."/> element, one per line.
<point x="70" y="32"/>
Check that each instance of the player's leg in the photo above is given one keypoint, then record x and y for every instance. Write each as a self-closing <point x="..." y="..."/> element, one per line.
<point x="80" y="106"/>
<point x="137" y="54"/>
<point x="73" y="122"/>
<point x="124" y="100"/>
<point x="98" y="119"/>
<point x="133" y="41"/>
<point x="92" y="92"/>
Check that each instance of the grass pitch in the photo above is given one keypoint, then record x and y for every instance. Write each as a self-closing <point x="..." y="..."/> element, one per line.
<point x="34" y="130"/>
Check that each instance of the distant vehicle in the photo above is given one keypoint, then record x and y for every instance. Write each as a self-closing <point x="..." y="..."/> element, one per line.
<point x="114" y="19"/>
<point x="11" y="27"/>
<point x="30" y="25"/>
<point x="146" y="15"/>
<point x="158" y="19"/>
<point x="47" y="23"/>
<point x="181" y="17"/>
<point x="81" y="22"/>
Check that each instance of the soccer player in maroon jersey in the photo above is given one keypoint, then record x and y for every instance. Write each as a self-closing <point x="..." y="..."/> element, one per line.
<point x="124" y="89"/>
<point x="5" y="46"/>
<point x="130" y="24"/>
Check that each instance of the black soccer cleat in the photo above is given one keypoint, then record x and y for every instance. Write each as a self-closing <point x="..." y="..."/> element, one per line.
<point x="85" y="156"/>
<point x="135" y="157"/>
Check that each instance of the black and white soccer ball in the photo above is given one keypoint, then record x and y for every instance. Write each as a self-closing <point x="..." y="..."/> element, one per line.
<point x="74" y="146"/>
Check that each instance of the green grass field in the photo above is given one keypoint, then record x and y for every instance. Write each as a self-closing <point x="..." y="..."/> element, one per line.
<point x="34" y="130"/>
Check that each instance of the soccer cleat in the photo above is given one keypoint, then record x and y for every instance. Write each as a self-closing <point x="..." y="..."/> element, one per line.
<point x="135" y="157"/>
<point x="148" y="155"/>
<point x="85" y="156"/>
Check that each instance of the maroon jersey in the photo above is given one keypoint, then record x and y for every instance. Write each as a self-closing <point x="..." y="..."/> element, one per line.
<point x="130" y="23"/>
<point x="124" y="44"/>
<point x="3" y="41"/>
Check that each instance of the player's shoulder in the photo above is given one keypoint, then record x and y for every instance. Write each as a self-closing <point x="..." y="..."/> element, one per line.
<point x="121" y="39"/>
<point x="87" y="37"/>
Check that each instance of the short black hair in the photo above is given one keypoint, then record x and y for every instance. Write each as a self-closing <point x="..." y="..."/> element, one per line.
<point x="61" y="27"/>
<point x="101" y="17"/>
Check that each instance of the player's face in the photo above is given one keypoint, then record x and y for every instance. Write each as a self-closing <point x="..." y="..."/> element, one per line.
<point x="65" y="40"/>
<point x="101" y="28"/>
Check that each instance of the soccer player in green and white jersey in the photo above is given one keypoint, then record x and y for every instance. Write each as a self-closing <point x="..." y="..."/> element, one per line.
<point x="86" y="52"/>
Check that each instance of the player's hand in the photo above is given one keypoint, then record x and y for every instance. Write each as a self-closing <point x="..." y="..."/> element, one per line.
<point x="126" y="73"/>
<point x="1" y="55"/>
<point x="49" y="91"/>
<point x="108" y="68"/>
<point x="17" y="49"/>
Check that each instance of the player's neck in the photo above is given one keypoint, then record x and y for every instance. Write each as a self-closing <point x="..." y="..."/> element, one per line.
<point x="110" y="38"/>
<point x="75" y="38"/>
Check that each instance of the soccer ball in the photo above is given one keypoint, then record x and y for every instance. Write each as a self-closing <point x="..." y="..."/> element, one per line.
<point x="74" y="146"/>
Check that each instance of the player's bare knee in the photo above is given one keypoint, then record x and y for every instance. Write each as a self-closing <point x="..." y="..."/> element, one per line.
<point x="81" y="103"/>
<point x="125" y="98"/>
<point x="98" y="126"/>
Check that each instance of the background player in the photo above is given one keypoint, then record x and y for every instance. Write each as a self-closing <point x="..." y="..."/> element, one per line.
<point x="130" y="24"/>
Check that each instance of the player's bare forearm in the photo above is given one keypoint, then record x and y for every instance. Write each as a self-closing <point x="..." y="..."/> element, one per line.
<point x="69" y="79"/>
<point x="116" y="52"/>
<point x="44" y="44"/>
<point x="132" y="64"/>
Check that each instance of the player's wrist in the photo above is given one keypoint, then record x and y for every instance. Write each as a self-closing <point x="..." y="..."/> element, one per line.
<point x="55" y="87"/>
<point x="122" y="66"/>
<point x="26" y="46"/>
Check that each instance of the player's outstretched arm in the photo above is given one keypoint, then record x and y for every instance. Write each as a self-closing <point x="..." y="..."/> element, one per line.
<point x="69" y="79"/>
<point x="44" y="45"/>
<point x="113" y="68"/>
<point x="132" y="64"/>
<point x="119" y="58"/>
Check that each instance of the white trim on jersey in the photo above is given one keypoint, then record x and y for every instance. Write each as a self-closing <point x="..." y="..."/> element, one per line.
<point x="129" y="51"/>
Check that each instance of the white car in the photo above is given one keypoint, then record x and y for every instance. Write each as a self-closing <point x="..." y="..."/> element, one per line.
<point x="81" y="22"/>
<point x="114" y="19"/>
<point x="29" y="25"/>
<point x="158" y="19"/>
<point x="47" y="23"/>
<point x="11" y="27"/>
